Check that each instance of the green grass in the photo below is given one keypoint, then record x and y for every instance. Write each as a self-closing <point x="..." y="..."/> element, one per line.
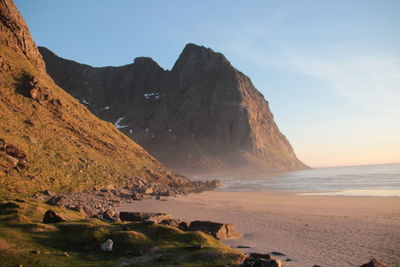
<point x="21" y="232"/>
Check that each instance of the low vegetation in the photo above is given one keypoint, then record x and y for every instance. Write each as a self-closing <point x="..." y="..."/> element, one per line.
<point x="25" y="240"/>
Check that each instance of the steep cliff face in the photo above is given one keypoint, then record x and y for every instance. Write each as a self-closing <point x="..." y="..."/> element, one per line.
<point x="48" y="140"/>
<point x="202" y="116"/>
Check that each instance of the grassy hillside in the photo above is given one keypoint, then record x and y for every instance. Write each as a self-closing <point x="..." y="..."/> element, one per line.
<point x="67" y="147"/>
<point x="61" y="146"/>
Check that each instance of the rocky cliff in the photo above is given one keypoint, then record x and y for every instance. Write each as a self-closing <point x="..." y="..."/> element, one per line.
<point x="202" y="116"/>
<point x="48" y="140"/>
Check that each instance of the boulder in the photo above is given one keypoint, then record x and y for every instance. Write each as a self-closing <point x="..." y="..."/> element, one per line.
<point x="262" y="260"/>
<point x="107" y="246"/>
<point x="110" y="215"/>
<point x="52" y="217"/>
<point x="218" y="230"/>
<point x="144" y="216"/>
<point x="374" y="263"/>
<point x="176" y="223"/>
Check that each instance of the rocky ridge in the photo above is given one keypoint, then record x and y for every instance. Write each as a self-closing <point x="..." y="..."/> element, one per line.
<point x="48" y="140"/>
<point x="201" y="116"/>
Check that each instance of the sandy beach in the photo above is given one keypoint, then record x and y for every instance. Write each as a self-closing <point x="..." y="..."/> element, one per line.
<point x="329" y="231"/>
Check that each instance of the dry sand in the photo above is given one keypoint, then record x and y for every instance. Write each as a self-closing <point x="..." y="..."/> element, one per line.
<point x="325" y="230"/>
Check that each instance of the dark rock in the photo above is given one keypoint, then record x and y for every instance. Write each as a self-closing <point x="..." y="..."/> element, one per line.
<point x="218" y="230"/>
<point x="374" y="263"/>
<point x="52" y="217"/>
<point x="142" y="216"/>
<point x="262" y="260"/>
<point x="35" y="251"/>
<point x="234" y="131"/>
<point x="243" y="247"/>
<point x="110" y="215"/>
<point x="183" y="226"/>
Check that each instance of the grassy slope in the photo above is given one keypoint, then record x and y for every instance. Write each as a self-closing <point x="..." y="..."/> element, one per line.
<point x="21" y="231"/>
<point x="74" y="149"/>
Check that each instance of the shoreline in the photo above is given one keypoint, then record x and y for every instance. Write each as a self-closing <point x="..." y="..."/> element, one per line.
<point x="310" y="229"/>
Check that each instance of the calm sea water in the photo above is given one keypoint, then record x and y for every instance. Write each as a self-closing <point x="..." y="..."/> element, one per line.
<point x="370" y="180"/>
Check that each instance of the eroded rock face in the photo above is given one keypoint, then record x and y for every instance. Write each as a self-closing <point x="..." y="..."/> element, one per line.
<point x="15" y="33"/>
<point x="203" y="115"/>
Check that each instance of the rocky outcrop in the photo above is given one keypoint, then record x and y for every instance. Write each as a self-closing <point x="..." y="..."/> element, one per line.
<point x="11" y="157"/>
<point x="220" y="231"/>
<point x="15" y="34"/>
<point x="202" y="116"/>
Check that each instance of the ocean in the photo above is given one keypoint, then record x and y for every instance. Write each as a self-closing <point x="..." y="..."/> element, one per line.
<point x="366" y="180"/>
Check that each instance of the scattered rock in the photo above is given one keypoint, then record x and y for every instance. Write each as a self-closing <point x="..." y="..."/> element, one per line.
<point x="374" y="263"/>
<point x="142" y="216"/>
<point x="35" y="251"/>
<point x="262" y="260"/>
<point x="65" y="254"/>
<point x="218" y="230"/>
<point x="109" y="215"/>
<point x="52" y="217"/>
<point x="49" y="193"/>
<point x="243" y="247"/>
<point x="107" y="246"/>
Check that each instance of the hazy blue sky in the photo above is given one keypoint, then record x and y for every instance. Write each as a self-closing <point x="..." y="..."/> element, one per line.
<point x="330" y="69"/>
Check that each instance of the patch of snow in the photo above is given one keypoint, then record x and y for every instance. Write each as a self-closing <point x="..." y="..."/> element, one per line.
<point x="118" y="125"/>
<point x="146" y="95"/>
<point x="82" y="100"/>
<point x="152" y="95"/>
<point x="106" y="108"/>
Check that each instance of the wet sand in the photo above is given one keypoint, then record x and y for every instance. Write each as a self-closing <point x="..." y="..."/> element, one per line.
<point x="325" y="230"/>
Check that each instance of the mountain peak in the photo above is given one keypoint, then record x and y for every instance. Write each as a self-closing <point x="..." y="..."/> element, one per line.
<point x="194" y="56"/>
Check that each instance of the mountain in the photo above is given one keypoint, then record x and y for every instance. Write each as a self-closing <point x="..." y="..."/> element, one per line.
<point x="202" y="116"/>
<point x="48" y="140"/>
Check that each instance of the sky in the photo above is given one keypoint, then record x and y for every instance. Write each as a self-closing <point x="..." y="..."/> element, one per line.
<point x="329" y="69"/>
